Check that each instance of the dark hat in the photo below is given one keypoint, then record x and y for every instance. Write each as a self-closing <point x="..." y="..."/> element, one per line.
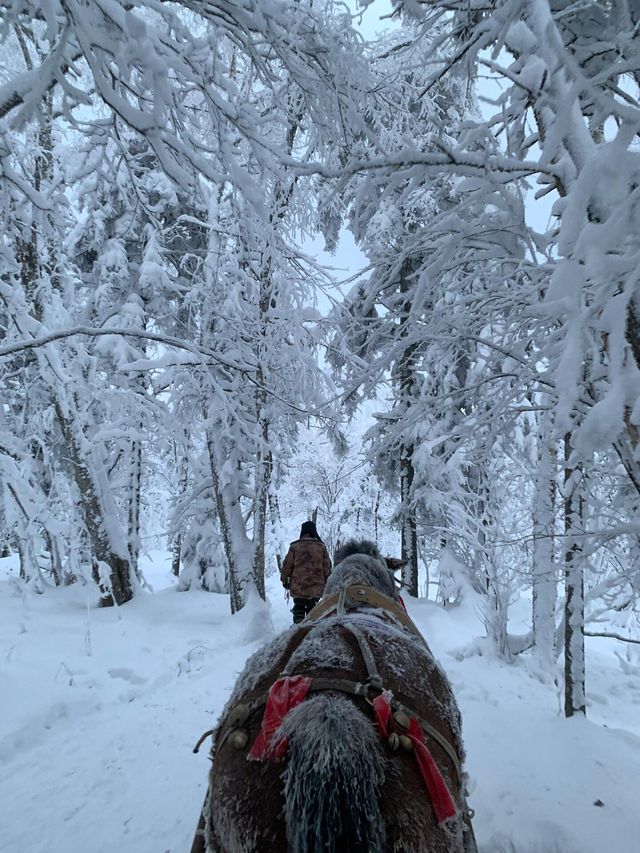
<point x="309" y="529"/>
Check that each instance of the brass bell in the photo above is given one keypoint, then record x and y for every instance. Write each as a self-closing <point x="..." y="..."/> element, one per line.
<point x="239" y="714"/>
<point x="238" y="739"/>
<point x="406" y="743"/>
<point x="393" y="742"/>
<point x="402" y="720"/>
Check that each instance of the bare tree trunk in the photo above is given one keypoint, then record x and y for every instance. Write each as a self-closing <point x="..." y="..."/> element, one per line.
<point x="496" y="613"/>
<point x="409" y="536"/>
<point x="574" y="661"/>
<point x="175" y="555"/>
<point x="225" y="529"/>
<point x="23" y="570"/>
<point x="176" y="547"/>
<point x="262" y="483"/>
<point x="274" y="508"/>
<point x="29" y="568"/>
<point x="376" y="511"/>
<point x="5" y="532"/>
<point x="135" y="497"/>
<point x="496" y="605"/>
<point x="57" y="572"/>
<point x="37" y="258"/>
<point x="274" y="511"/>
<point x="237" y="547"/>
<point x="111" y="567"/>
<point x="483" y="570"/>
<point x="544" y="570"/>
<point x="408" y="529"/>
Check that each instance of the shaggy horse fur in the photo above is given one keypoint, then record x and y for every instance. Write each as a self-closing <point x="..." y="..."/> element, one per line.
<point x="339" y="789"/>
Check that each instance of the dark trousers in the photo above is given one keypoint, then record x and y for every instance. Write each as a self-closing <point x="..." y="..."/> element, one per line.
<point x="302" y="606"/>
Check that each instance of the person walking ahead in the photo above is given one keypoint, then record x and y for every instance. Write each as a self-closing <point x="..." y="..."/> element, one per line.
<point x="305" y="570"/>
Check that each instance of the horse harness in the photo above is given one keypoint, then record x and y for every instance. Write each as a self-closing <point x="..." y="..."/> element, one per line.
<point x="348" y="598"/>
<point x="352" y="597"/>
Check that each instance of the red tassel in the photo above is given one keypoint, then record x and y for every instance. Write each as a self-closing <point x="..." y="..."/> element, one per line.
<point x="284" y="695"/>
<point x="382" y="710"/>
<point x="441" y="798"/>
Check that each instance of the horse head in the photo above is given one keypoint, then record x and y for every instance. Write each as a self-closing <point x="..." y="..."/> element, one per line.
<point x="360" y="562"/>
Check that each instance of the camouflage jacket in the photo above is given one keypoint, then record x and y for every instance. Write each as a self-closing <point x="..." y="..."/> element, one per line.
<point x="306" y="568"/>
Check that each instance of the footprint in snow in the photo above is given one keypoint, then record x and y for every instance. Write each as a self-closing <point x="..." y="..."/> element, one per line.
<point x="127" y="675"/>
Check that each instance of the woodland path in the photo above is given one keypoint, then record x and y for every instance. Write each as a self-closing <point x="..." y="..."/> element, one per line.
<point x="96" y="749"/>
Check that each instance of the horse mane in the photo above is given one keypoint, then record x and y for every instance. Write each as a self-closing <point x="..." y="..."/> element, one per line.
<point x="360" y="561"/>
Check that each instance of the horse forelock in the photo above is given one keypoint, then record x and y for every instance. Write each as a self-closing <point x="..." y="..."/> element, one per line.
<point x="360" y="562"/>
<point x="356" y="546"/>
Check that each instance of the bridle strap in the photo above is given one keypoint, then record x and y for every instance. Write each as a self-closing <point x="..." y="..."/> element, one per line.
<point x="373" y="676"/>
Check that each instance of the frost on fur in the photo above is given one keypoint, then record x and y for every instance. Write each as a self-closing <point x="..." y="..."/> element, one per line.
<point x="355" y="546"/>
<point x="360" y="562"/>
<point x="332" y="781"/>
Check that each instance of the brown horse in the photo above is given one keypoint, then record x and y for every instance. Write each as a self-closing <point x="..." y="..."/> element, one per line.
<point x="342" y="735"/>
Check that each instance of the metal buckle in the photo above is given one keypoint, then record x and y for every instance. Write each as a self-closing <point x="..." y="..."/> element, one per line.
<point x="368" y="687"/>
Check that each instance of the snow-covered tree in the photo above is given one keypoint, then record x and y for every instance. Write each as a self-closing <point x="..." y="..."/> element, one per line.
<point x="191" y="119"/>
<point x="440" y="247"/>
<point x="567" y="114"/>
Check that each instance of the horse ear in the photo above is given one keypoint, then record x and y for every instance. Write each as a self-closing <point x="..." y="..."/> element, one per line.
<point x="395" y="563"/>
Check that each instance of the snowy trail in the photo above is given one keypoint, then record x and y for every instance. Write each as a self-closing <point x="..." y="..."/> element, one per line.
<point x="99" y="753"/>
<point x="95" y="750"/>
<point x="535" y="776"/>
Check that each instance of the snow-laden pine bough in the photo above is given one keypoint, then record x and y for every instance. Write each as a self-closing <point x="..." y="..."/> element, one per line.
<point x="342" y="734"/>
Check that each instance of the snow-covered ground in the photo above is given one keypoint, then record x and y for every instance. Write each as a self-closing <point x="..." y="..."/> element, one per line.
<point x="100" y="709"/>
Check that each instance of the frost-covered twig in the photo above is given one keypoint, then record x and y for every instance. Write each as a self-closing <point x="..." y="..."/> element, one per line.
<point x="611" y="635"/>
